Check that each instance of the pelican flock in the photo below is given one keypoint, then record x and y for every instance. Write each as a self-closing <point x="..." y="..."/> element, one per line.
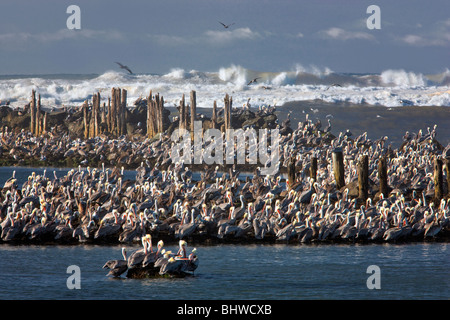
<point x="164" y="202"/>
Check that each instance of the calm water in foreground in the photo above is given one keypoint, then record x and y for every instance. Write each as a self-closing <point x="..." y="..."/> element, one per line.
<point x="276" y="272"/>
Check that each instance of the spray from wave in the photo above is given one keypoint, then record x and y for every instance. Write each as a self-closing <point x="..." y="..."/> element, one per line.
<point x="402" y="78"/>
<point x="389" y="88"/>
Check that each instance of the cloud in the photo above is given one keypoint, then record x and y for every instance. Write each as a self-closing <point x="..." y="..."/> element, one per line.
<point x="225" y="37"/>
<point x="439" y="35"/>
<point x="208" y="37"/>
<point x="341" y="34"/>
<point x="169" y="40"/>
<point x="62" y="34"/>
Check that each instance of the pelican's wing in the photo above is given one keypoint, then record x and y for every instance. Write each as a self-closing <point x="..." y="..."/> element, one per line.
<point x="128" y="69"/>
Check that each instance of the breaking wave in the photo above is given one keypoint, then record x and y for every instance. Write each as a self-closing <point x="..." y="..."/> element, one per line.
<point x="390" y="88"/>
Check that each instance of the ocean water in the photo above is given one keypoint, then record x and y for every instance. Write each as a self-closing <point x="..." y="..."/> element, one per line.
<point x="390" y="88"/>
<point x="228" y="272"/>
<point x="235" y="272"/>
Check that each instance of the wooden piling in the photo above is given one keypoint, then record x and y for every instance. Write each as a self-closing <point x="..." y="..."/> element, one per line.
<point x="108" y="116"/>
<point x="44" y="123"/>
<point x="193" y="100"/>
<point x="122" y="113"/>
<point x="160" y="115"/>
<point x="338" y="167"/>
<point x="183" y="117"/>
<point x="112" y="128"/>
<point x="214" y="116"/>
<point x="149" y="116"/>
<point x="37" y="119"/>
<point x="228" y="104"/>
<point x="103" y="117"/>
<point x="85" y="119"/>
<point x="313" y="169"/>
<point x="447" y="173"/>
<point x="33" y="112"/>
<point x="155" y="115"/>
<point x="291" y="172"/>
<point x="363" y="178"/>
<point x="438" y="181"/>
<point x="382" y="176"/>
<point x="96" y="113"/>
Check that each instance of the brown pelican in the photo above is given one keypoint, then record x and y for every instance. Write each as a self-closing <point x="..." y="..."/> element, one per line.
<point x="124" y="67"/>
<point x="11" y="182"/>
<point x="137" y="257"/>
<point x="253" y="81"/>
<point x="108" y="230"/>
<point x="226" y="26"/>
<point x="151" y="256"/>
<point x="117" y="267"/>
<point x="172" y="266"/>
<point x="186" y="229"/>
<point x="182" y="251"/>
<point x="305" y="233"/>
<point x="224" y="224"/>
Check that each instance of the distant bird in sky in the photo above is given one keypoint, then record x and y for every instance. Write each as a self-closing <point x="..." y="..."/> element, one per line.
<point x="124" y="67"/>
<point x="226" y="26"/>
<point x="252" y="81"/>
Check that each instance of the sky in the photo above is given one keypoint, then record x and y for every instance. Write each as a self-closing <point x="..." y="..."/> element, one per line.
<point x="279" y="35"/>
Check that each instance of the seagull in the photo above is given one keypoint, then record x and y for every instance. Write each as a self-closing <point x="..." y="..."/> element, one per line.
<point x="124" y="67"/>
<point x="252" y="81"/>
<point x="226" y="26"/>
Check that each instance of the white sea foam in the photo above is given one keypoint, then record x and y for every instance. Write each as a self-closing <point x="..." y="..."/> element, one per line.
<point x="402" y="78"/>
<point x="391" y="88"/>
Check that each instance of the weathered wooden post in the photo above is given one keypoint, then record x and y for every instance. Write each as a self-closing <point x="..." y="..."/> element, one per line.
<point x="214" y="115"/>
<point x="117" y="111"/>
<point x="338" y="167"/>
<point x="193" y="111"/>
<point x="37" y="119"/>
<point x="112" y="128"/>
<point x="108" y="116"/>
<point x="33" y="112"/>
<point x="160" y="115"/>
<point x="291" y="172"/>
<point x="382" y="176"/>
<point x="313" y="169"/>
<point x="363" y="177"/>
<point x="85" y="119"/>
<point x="123" y="111"/>
<point x="447" y="173"/>
<point x="225" y="113"/>
<point x="149" y="116"/>
<point x="438" y="181"/>
<point x="44" y="123"/>
<point x="228" y="101"/>
<point x="183" y="116"/>
<point x="96" y="112"/>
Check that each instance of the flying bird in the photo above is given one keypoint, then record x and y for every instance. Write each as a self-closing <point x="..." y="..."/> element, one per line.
<point x="333" y="85"/>
<point x="252" y="81"/>
<point x="226" y="26"/>
<point x="124" y="67"/>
